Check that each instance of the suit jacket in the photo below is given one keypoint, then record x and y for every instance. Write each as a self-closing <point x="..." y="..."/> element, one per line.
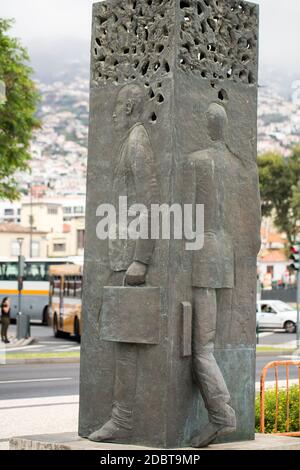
<point x="214" y="174"/>
<point x="135" y="178"/>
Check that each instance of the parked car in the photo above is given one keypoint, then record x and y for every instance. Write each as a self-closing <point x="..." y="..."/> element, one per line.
<point x="273" y="314"/>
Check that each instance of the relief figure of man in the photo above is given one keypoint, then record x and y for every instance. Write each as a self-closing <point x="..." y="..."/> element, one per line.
<point x="213" y="274"/>
<point x="134" y="177"/>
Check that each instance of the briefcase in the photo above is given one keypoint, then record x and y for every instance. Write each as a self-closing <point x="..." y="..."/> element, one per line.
<point x="131" y="315"/>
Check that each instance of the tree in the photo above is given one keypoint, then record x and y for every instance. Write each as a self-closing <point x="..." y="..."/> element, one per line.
<point x="279" y="186"/>
<point x="17" y="113"/>
<point x="296" y="201"/>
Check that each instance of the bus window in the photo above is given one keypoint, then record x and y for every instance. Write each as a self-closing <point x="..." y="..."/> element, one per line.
<point x="36" y="272"/>
<point x="55" y="286"/>
<point x="73" y="286"/>
<point x="78" y="287"/>
<point x="8" y="271"/>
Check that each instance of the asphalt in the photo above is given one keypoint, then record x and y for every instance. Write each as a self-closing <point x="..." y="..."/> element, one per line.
<point x="38" y="380"/>
<point x="43" y="398"/>
<point x="52" y="380"/>
<point x="263" y="360"/>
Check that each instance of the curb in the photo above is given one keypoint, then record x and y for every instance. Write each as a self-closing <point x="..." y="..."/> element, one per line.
<point x="279" y="352"/>
<point x="16" y="343"/>
<point x="51" y="360"/>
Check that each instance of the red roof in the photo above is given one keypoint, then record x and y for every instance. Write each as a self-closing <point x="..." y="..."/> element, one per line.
<point x="272" y="256"/>
<point x="10" y="227"/>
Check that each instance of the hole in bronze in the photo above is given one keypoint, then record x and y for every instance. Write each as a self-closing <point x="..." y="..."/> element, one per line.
<point x="160" y="48"/>
<point x="222" y="95"/>
<point x="145" y="67"/>
<point x="184" y="4"/>
<point x="160" y="98"/>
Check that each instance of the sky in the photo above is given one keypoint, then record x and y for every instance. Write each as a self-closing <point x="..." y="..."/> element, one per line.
<point x="56" y="26"/>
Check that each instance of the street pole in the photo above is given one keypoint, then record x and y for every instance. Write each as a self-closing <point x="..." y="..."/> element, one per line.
<point x="20" y="275"/>
<point x="258" y="298"/>
<point x="23" y="321"/>
<point x="30" y="221"/>
<point x="298" y="310"/>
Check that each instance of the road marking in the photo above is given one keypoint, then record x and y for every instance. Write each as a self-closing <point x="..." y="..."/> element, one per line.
<point x="282" y="346"/>
<point x="55" y="342"/>
<point x="8" y="350"/>
<point x="41" y="401"/>
<point x="75" y="348"/>
<point x="296" y="358"/>
<point x="61" y="379"/>
<point x="38" y="406"/>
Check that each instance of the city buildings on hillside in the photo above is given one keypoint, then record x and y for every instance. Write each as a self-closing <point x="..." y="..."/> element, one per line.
<point x="278" y="122"/>
<point x="59" y="147"/>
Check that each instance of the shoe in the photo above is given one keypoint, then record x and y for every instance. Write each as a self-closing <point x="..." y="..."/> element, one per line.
<point x="111" y="432"/>
<point x="210" y="433"/>
<point x="6" y="341"/>
<point x="117" y="429"/>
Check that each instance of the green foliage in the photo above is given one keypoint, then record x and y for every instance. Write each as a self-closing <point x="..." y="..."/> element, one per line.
<point x="279" y="180"/>
<point x="270" y="407"/>
<point x="296" y="201"/>
<point x="17" y="114"/>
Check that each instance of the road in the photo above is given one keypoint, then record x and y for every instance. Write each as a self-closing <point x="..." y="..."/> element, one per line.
<point x="46" y="342"/>
<point x="52" y="380"/>
<point x="274" y="338"/>
<point x="38" y="399"/>
<point x="261" y="361"/>
<point x="43" y="398"/>
<point x="38" y="380"/>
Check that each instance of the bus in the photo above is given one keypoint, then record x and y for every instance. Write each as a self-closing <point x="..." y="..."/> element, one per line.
<point x="65" y="300"/>
<point x="36" y="287"/>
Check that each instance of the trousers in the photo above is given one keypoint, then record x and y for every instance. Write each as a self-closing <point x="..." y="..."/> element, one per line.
<point x="5" y="321"/>
<point x="206" y="371"/>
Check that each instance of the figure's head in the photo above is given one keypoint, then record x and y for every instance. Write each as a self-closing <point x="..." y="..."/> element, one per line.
<point x="129" y="106"/>
<point x="217" y="121"/>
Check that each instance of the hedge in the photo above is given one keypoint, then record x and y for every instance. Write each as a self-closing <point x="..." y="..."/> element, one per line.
<point x="270" y="409"/>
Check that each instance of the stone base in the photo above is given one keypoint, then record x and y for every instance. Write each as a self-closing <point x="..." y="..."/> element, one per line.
<point x="71" y="441"/>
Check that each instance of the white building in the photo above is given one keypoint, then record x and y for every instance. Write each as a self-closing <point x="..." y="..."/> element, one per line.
<point x="10" y="212"/>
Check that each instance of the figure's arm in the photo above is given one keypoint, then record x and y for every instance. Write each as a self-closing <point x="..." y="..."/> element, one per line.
<point x="146" y="187"/>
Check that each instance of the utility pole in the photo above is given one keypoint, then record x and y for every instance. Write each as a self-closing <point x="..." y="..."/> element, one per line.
<point x="298" y="310"/>
<point x="21" y="265"/>
<point x="30" y="221"/>
<point x="295" y="259"/>
<point x="23" y="320"/>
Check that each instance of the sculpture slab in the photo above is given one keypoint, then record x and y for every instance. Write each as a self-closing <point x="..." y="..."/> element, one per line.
<point x="173" y="114"/>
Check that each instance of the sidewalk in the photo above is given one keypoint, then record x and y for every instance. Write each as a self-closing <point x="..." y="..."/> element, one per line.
<point x="38" y="350"/>
<point x="37" y="416"/>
